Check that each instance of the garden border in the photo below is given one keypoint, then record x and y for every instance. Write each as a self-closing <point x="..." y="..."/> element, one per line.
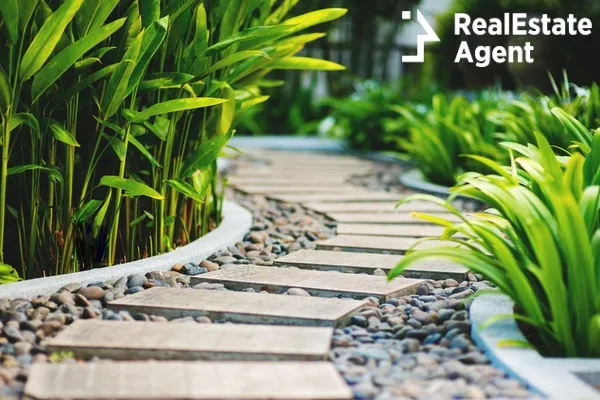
<point x="414" y="179"/>
<point x="236" y="222"/>
<point x="550" y="377"/>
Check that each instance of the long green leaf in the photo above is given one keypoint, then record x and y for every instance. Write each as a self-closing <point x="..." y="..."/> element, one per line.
<point x="66" y="58"/>
<point x="307" y="20"/>
<point x="99" y="218"/>
<point x="5" y="92"/>
<point x="9" y="16"/>
<point x="60" y="133"/>
<point x="116" y="90"/>
<point x="234" y="58"/>
<point x="171" y="106"/>
<point x="47" y="38"/>
<point x="185" y="188"/>
<point x="131" y="187"/>
<point x="150" y="12"/>
<point x="306" y="63"/>
<point x="154" y="35"/>
<point x="93" y="14"/>
<point x="19" y="169"/>
<point x="27" y="119"/>
<point x="86" y="211"/>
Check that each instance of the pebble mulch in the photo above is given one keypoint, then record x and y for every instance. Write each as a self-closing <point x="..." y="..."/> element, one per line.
<point x="414" y="347"/>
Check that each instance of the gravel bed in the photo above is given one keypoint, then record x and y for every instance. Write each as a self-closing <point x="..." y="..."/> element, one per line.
<point x="414" y="347"/>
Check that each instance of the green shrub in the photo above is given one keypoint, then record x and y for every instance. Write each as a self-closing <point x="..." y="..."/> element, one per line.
<point x="113" y="114"/>
<point x="366" y="121"/>
<point x="538" y="243"/>
<point x="452" y="126"/>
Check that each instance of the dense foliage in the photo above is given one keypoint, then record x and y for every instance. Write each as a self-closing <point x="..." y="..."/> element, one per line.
<point x="113" y="114"/>
<point x="539" y="240"/>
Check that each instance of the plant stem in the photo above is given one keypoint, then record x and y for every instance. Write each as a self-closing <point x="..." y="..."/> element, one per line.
<point x="3" y="178"/>
<point x="112" y="250"/>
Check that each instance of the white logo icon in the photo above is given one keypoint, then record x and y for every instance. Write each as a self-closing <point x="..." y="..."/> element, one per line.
<point x="431" y="36"/>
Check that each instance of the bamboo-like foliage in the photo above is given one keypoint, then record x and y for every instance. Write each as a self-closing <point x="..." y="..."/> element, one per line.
<point x="113" y="114"/>
<point x="539" y="242"/>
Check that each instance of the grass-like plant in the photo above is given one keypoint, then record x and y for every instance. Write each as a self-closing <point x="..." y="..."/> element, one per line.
<point x="113" y="113"/>
<point x="539" y="242"/>
<point x="447" y="129"/>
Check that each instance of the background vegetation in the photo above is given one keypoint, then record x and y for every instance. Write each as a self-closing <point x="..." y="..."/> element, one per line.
<point x="113" y="114"/>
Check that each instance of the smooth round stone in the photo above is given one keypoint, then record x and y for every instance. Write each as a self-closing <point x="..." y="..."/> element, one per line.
<point x="423" y="290"/>
<point x="65" y="297"/>
<point x="445" y="314"/>
<point x="359" y="320"/>
<point x="225" y="260"/>
<point x="427" y="299"/>
<point x="136" y="280"/>
<point x="12" y="333"/>
<point x="460" y="342"/>
<point x="462" y="326"/>
<point x="134" y="289"/>
<point x="298" y="292"/>
<point x="82" y="301"/>
<point x="209" y="265"/>
<point x="419" y="334"/>
<point x="473" y="357"/>
<point x="121" y="282"/>
<point x="92" y="292"/>
<point x="72" y="287"/>
<point x="191" y="269"/>
<point x="374" y="353"/>
<point x="432" y="338"/>
<point x="22" y="348"/>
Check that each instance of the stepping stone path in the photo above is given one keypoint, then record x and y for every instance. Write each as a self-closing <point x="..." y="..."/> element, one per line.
<point x="242" y="307"/>
<point x="380" y="207"/>
<point x="143" y="340"/>
<point x="321" y="260"/>
<point x="379" y="218"/>
<point x="256" y="355"/>
<point x="405" y="230"/>
<point x="187" y="380"/>
<point x="316" y="283"/>
<point x="377" y="244"/>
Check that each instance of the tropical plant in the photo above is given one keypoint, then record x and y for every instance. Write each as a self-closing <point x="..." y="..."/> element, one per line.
<point x="113" y="114"/>
<point x="538" y="243"/>
<point x="522" y="117"/>
<point x="451" y="127"/>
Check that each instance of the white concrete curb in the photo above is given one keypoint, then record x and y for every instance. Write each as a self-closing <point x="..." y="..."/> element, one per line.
<point x="236" y="223"/>
<point x="553" y="378"/>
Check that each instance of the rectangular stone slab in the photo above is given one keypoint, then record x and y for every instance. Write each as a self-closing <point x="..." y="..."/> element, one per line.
<point x="133" y="340"/>
<point x="335" y="198"/>
<point x="178" y="380"/>
<point x="294" y="189"/>
<point x="400" y="230"/>
<point x="241" y="307"/>
<point x="268" y="181"/>
<point x="290" y="173"/>
<point x="380" y="218"/>
<point x="317" y="283"/>
<point x="376" y="207"/>
<point x="377" y="244"/>
<point x="323" y="260"/>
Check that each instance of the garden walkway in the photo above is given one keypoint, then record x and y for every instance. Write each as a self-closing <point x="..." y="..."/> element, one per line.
<point x="277" y="346"/>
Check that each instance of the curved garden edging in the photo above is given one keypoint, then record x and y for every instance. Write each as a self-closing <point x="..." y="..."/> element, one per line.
<point x="557" y="378"/>
<point x="235" y="224"/>
<point x="414" y="179"/>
